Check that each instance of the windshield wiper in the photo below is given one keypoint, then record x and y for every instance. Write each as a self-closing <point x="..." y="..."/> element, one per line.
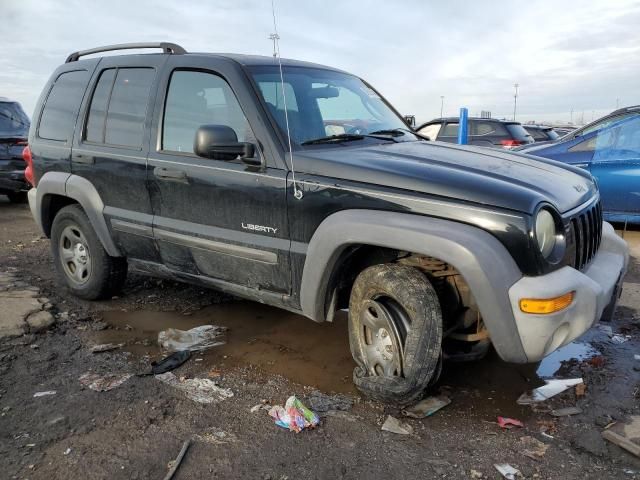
<point x="343" y="137"/>
<point x="394" y="132"/>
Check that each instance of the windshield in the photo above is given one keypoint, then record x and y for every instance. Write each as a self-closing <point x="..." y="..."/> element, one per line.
<point x="325" y="103"/>
<point x="14" y="122"/>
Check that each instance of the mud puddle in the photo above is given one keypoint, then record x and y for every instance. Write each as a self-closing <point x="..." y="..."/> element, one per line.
<point x="280" y="342"/>
<point x="275" y="341"/>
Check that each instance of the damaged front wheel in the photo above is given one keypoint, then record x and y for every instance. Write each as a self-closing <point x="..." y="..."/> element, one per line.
<point x="395" y="333"/>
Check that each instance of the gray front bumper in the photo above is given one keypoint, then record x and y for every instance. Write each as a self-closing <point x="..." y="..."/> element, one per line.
<point x="595" y="288"/>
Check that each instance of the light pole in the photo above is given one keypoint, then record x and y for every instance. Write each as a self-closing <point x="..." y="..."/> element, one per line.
<point x="515" y="100"/>
<point x="441" y="104"/>
<point x="571" y="117"/>
<point x="617" y="103"/>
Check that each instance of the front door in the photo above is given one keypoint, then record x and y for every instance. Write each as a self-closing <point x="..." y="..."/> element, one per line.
<point x="616" y="165"/>
<point x="220" y="219"/>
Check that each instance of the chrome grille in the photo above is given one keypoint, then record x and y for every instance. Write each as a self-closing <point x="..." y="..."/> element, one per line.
<point x="587" y="234"/>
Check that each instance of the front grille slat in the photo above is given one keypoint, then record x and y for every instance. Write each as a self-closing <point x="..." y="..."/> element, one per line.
<point x="587" y="235"/>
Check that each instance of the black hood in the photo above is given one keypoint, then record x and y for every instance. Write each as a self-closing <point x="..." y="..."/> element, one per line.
<point x="473" y="174"/>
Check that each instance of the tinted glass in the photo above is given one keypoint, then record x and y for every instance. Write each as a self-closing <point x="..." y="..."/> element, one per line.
<point x="431" y="131"/>
<point x="195" y="99"/>
<point x="518" y="132"/>
<point x="450" y="130"/>
<point x="620" y="141"/>
<point x="13" y="121"/>
<point x="98" y="109"/>
<point x="536" y="133"/>
<point x="551" y="134"/>
<point x="605" y="123"/>
<point x="61" y="108"/>
<point x="482" y="128"/>
<point x="326" y="103"/>
<point x="128" y="107"/>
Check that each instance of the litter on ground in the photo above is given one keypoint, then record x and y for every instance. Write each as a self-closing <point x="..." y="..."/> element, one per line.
<point x="507" y="471"/>
<point x="552" y="388"/>
<point x="426" y="407"/>
<point x="294" y="415"/>
<point x="533" y="448"/>
<point x="44" y="394"/>
<point x="565" y="412"/>
<point x="321" y="402"/>
<point x="170" y="362"/>
<point x="201" y="390"/>
<point x="106" y="347"/>
<point x="195" y="339"/>
<point x="618" y="338"/>
<point x="393" y="425"/>
<point x="509" y="422"/>
<point x="103" y="383"/>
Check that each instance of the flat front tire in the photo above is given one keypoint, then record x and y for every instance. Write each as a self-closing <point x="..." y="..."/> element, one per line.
<point x="395" y="333"/>
<point x="80" y="259"/>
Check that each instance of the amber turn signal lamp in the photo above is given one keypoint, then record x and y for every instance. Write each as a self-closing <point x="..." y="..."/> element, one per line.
<point x="546" y="305"/>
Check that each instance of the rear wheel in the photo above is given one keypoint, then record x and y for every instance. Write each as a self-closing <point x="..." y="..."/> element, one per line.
<point x="395" y="333"/>
<point x="81" y="260"/>
<point x="17" y="197"/>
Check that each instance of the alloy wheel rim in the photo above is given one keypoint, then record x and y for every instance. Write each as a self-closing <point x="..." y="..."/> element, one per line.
<point x="74" y="254"/>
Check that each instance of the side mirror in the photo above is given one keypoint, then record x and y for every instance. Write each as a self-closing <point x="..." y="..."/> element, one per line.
<point x="220" y="142"/>
<point x="410" y="120"/>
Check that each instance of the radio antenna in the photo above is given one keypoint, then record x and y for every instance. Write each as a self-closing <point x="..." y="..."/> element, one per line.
<point x="297" y="193"/>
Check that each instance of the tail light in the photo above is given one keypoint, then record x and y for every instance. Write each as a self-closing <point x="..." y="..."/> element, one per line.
<point x="28" y="172"/>
<point x="511" y="143"/>
<point x="22" y="143"/>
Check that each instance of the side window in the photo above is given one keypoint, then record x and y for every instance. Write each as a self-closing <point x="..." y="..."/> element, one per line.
<point x="431" y="131"/>
<point x="450" y="130"/>
<point x="98" y="109"/>
<point x="485" y="128"/>
<point x="584" y="146"/>
<point x="195" y="99"/>
<point x="619" y="142"/>
<point x="119" y="106"/>
<point x="606" y="122"/>
<point x="60" y="111"/>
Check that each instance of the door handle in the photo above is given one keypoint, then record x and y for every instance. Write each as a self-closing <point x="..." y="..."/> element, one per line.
<point x="581" y="165"/>
<point x="170" y="174"/>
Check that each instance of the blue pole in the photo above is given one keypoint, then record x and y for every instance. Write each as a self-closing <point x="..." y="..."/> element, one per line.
<point x="463" y="127"/>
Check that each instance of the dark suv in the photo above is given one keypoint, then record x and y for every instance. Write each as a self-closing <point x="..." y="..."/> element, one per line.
<point x="541" y="133"/>
<point x="484" y="132"/>
<point x="311" y="194"/>
<point x="14" y="129"/>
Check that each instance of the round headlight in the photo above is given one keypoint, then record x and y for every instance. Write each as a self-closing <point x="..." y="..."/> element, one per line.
<point x="545" y="232"/>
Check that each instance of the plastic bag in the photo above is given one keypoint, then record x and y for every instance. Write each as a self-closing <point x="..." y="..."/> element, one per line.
<point x="198" y="338"/>
<point x="294" y="416"/>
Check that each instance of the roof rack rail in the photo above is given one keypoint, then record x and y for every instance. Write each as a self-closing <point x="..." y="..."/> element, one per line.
<point x="165" y="46"/>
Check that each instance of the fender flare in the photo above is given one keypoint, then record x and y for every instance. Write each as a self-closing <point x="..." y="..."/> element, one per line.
<point x="481" y="259"/>
<point x="82" y="191"/>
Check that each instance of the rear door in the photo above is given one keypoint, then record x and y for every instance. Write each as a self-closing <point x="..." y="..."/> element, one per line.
<point x="220" y="219"/>
<point x="616" y="165"/>
<point x="449" y="132"/>
<point x="111" y="147"/>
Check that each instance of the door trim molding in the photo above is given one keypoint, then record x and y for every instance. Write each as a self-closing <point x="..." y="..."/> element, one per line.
<point x="218" y="247"/>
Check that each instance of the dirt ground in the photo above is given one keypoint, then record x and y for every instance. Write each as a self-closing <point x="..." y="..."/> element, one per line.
<point x="136" y="429"/>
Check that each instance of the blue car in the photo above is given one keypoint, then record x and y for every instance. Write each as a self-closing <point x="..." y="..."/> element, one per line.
<point x="610" y="149"/>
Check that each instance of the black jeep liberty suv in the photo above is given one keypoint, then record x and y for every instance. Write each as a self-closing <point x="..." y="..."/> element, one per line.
<point x="177" y="164"/>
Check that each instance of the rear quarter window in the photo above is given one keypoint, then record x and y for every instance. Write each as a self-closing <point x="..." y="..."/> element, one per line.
<point x="60" y="111"/>
<point x="518" y="132"/>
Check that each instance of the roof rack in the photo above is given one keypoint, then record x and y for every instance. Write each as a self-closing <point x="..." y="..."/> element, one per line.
<point x="165" y="46"/>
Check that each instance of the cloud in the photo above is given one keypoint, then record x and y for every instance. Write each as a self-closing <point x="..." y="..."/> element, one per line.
<point x="580" y="55"/>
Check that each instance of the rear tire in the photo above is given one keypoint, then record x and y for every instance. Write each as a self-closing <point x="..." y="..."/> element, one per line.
<point x="395" y="333"/>
<point x="17" y="197"/>
<point x="80" y="259"/>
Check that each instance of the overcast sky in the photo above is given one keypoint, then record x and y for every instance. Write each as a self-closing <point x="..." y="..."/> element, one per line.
<point x="580" y="55"/>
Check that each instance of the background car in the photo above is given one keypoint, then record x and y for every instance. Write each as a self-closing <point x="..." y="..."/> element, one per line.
<point x="610" y="149"/>
<point x="14" y="129"/>
<point x="485" y="132"/>
<point x="541" y="133"/>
